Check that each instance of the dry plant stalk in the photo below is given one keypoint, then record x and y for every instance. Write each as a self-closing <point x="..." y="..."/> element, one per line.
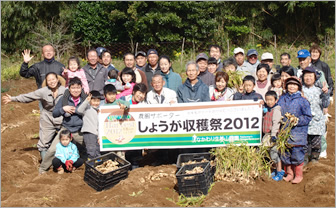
<point x="241" y="163"/>
<point x="235" y="80"/>
<point x="284" y="134"/>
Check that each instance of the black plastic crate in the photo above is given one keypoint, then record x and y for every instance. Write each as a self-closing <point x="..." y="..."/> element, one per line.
<point x="100" y="181"/>
<point x="198" y="157"/>
<point x="197" y="183"/>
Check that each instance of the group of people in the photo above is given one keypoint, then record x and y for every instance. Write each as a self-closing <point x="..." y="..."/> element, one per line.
<point x="69" y="98"/>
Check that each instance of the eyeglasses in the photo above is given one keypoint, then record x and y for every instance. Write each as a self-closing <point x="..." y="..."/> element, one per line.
<point x="252" y="57"/>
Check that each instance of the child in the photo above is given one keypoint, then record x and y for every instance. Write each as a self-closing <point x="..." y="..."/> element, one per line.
<point x="292" y="102"/>
<point x="66" y="156"/>
<point x="75" y="71"/>
<point x="271" y="125"/>
<point x="318" y="100"/>
<point x="127" y="76"/>
<point x="276" y="83"/>
<point x="221" y="92"/>
<point x="113" y="79"/>
<point x="212" y="65"/>
<point x="110" y="94"/>
<point x="250" y="94"/>
<point x="89" y="111"/>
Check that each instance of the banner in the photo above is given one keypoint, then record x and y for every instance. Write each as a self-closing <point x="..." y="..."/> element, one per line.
<point x="181" y="125"/>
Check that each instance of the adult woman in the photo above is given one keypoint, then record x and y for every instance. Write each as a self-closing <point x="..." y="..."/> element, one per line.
<point x="285" y="73"/>
<point x="172" y="79"/>
<point x="49" y="96"/>
<point x="316" y="52"/>
<point x="263" y="84"/>
<point x="221" y="92"/>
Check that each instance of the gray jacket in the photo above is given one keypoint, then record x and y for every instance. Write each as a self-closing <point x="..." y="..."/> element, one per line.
<point x="43" y="94"/>
<point x="207" y="78"/>
<point x="90" y="118"/>
<point x="97" y="81"/>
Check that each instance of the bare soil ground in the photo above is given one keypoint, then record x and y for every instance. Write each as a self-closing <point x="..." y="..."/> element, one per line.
<point x="21" y="186"/>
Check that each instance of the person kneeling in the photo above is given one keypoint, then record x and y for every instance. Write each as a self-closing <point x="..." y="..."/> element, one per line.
<point x="66" y="156"/>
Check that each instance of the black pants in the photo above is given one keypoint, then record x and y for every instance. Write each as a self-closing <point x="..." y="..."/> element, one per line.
<point x="57" y="163"/>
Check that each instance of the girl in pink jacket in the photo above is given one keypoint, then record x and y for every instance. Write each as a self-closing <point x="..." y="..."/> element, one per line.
<point x="75" y="71"/>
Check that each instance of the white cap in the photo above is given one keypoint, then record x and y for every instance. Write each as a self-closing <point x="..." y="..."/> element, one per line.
<point x="266" y="56"/>
<point x="238" y="50"/>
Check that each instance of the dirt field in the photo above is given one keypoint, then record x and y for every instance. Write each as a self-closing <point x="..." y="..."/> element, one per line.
<point x="21" y="186"/>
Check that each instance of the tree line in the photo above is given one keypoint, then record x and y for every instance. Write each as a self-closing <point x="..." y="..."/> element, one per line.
<point x="30" y="24"/>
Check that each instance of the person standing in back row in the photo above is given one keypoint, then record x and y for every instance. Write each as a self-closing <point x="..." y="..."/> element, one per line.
<point x="152" y="67"/>
<point x="40" y="69"/>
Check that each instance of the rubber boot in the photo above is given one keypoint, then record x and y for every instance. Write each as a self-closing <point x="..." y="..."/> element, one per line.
<point x="290" y="173"/>
<point x="298" y="173"/>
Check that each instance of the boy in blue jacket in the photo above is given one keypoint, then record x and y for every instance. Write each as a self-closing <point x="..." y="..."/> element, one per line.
<point x="66" y="156"/>
<point x="292" y="102"/>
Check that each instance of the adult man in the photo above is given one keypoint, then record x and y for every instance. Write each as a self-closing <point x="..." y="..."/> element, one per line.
<point x="160" y="94"/>
<point x="215" y="51"/>
<point x="206" y="77"/>
<point x="267" y="58"/>
<point x="305" y="61"/>
<point x="252" y="60"/>
<point x="140" y="76"/>
<point x="242" y="66"/>
<point x="106" y="58"/>
<point x="141" y="60"/>
<point x="100" y="50"/>
<point x="95" y="73"/>
<point x="152" y="67"/>
<point x="40" y="69"/>
<point x="285" y="60"/>
<point x="193" y="89"/>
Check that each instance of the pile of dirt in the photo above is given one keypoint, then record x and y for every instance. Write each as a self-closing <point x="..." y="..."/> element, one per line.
<point x="148" y="186"/>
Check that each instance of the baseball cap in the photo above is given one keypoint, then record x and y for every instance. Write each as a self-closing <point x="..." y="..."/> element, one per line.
<point x="266" y="56"/>
<point x="303" y="53"/>
<point x="152" y="51"/>
<point x="238" y="50"/>
<point x="309" y="69"/>
<point x="100" y="50"/>
<point x="140" y="53"/>
<point x="252" y="52"/>
<point x="202" y="56"/>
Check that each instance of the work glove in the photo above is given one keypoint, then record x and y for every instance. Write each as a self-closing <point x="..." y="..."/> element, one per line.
<point x="273" y="138"/>
<point x="68" y="165"/>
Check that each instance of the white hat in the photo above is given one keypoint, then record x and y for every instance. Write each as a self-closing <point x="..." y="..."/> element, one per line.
<point x="238" y="50"/>
<point x="266" y="56"/>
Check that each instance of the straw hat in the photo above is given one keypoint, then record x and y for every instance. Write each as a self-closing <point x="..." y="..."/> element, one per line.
<point x="60" y="79"/>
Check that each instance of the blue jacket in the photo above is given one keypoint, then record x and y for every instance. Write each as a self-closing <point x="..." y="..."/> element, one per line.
<point x="189" y="94"/>
<point x="173" y="80"/>
<point x="69" y="152"/>
<point x="299" y="106"/>
<point x="74" y="122"/>
<point x="247" y="96"/>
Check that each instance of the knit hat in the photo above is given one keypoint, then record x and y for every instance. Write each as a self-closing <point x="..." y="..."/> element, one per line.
<point x="293" y="80"/>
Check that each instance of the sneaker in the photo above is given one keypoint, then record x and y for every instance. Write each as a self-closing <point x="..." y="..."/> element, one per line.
<point x="323" y="154"/>
<point x="279" y="175"/>
<point x="274" y="173"/>
<point x="60" y="170"/>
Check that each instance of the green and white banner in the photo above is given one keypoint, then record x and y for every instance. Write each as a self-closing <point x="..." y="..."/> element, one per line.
<point x="181" y="125"/>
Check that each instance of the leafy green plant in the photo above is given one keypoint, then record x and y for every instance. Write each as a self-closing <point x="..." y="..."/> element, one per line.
<point x="184" y="201"/>
<point x="241" y="163"/>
